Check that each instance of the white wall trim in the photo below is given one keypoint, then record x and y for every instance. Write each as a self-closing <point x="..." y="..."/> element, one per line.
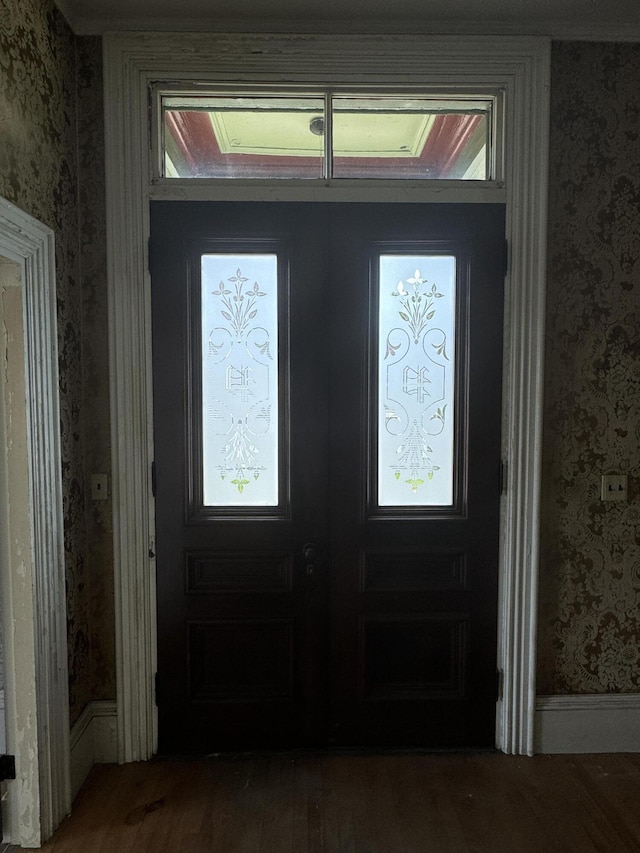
<point x="590" y="723"/>
<point x="3" y="735"/>
<point x="105" y="732"/>
<point x="520" y="66"/>
<point x="82" y="749"/>
<point x="93" y="741"/>
<point x="523" y="387"/>
<point x="37" y="703"/>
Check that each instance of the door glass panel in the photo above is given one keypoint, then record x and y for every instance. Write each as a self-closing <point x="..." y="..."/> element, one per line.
<point x="243" y="137"/>
<point x="419" y="138"/>
<point x="416" y="371"/>
<point x="240" y="380"/>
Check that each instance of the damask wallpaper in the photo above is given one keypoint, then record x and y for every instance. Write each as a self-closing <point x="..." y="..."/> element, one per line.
<point x="95" y="362"/>
<point x="589" y="636"/>
<point x="50" y="138"/>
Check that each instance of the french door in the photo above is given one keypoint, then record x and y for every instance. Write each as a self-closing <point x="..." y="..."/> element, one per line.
<point x="327" y="387"/>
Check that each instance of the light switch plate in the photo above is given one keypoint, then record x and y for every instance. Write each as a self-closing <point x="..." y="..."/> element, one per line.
<point x="613" y="487"/>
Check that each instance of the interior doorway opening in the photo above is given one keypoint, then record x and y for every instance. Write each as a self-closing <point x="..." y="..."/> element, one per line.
<point x="31" y="527"/>
<point x="11" y="334"/>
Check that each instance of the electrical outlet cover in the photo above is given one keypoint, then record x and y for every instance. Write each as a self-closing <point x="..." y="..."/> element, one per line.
<point x="613" y="487"/>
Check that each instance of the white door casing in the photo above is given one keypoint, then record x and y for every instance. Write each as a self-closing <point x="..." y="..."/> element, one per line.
<point x="517" y="66"/>
<point x="33" y="579"/>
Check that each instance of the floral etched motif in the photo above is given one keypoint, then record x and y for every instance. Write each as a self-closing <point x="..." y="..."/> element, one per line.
<point x="416" y="377"/>
<point x="240" y="458"/>
<point x="413" y="454"/>
<point x="417" y="305"/>
<point x="239" y="305"/>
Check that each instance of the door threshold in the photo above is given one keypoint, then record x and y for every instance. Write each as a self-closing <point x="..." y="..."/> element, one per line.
<point x="323" y="752"/>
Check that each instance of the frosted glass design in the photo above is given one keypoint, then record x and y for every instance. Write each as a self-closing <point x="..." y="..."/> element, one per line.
<point x="240" y="380"/>
<point x="416" y="370"/>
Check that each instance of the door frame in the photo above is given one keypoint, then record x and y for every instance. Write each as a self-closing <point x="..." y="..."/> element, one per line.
<point x="32" y="594"/>
<point x="133" y="62"/>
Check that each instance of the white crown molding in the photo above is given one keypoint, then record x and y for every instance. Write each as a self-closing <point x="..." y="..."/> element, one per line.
<point x="588" y="724"/>
<point x="34" y="595"/>
<point x="84" y="24"/>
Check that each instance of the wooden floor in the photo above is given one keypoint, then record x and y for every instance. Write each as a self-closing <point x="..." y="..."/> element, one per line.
<point x="461" y="803"/>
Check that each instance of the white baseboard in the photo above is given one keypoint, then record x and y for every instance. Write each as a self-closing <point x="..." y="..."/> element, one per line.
<point x="3" y="731"/>
<point x="93" y="741"/>
<point x="3" y="749"/>
<point x="594" y="723"/>
<point x="563" y="724"/>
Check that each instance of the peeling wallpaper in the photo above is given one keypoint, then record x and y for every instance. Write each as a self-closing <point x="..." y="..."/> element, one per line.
<point x="45" y="72"/>
<point x="589" y="633"/>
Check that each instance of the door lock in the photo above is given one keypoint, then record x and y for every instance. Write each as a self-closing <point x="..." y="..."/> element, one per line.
<point x="310" y="554"/>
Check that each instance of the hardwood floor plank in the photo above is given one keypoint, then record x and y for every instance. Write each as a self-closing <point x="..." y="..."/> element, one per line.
<point x="564" y="808"/>
<point x="608" y="801"/>
<point x="301" y="794"/>
<point x="135" y="801"/>
<point x="182" y="794"/>
<point x="431" y="809"/>
<point x="618" y="780"/>
<point x="524" y="812"/>
<point x="233" y="818"/>
<point x="276" y="823"/>
<point x="312" y="772"/>
<point x="378" y="803"/>
<point x="389" y="832"/>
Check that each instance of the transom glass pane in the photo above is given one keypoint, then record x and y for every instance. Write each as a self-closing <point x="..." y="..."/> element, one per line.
<point x="283" y="136"/>
<point x="243" y="137"/>
<point x="383" y="137"/>
<point x="416" y="372"/>
<point x="239" y="380"/>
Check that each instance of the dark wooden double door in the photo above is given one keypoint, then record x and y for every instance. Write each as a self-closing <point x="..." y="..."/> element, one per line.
<point x="326" y="618"/>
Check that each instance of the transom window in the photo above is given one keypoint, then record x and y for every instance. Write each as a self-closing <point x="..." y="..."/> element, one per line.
<point x="326" y="135"/>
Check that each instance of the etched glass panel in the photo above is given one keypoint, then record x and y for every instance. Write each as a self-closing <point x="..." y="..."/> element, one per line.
<point x="240" y="380"/>
<point x="416" y="370"/>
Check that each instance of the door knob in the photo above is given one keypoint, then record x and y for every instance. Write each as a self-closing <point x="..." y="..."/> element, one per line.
<point x="310" y="555"/>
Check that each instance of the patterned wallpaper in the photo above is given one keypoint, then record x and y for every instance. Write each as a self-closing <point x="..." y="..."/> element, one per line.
<point x="44" y="73"/>
<point x="95" y="361"/>
<point x="590" y="574"/>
